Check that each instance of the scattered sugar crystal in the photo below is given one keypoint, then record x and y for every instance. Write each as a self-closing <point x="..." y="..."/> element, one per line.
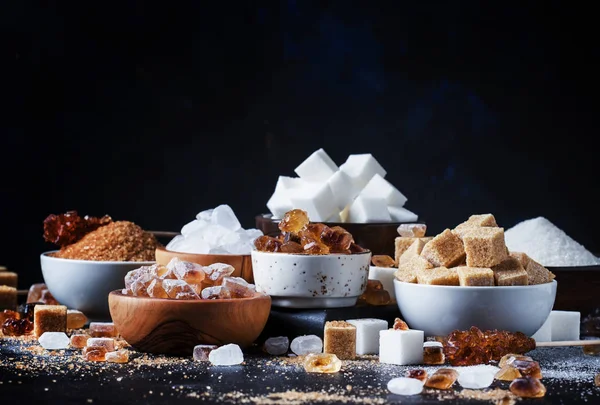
<point x="75" y="319"/>
<point x="79" y="340"/>
<point x="119" y="356"/>
<point x="227" y="355"/>
<point x="54" y="340"/>
<point x="103" y="329"/>
<point x="306" y="344"/>
<point x="201" y="352"/>
<point x="322" y="363"/>
<point x="277" y="345"/>
<point x="107" y="343"/>
<point x="216" y="272"/>
<point x="405" y="386"/>
<point x="547" y="244"/>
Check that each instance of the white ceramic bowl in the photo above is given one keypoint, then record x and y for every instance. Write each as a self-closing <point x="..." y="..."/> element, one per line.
<point x="311" y="281"/>
<point x="85" y="284"/>
<point x="438" y="310"/>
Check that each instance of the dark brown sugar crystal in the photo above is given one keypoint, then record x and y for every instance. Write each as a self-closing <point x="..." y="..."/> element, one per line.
<point x="383" y="261"/>
<point x="65" y="229"/>
<point x="17" y="327"/>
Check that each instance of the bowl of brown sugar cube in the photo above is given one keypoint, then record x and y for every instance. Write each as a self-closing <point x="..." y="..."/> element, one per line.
<point x="466" y="276"/>
<point x="310" y="265"/>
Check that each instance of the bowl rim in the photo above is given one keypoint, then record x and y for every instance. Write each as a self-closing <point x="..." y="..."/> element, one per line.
<point x="257" y="296"/>
<point x="164" y="249"/>
<point x="367" y="251"/>
<point x="270" y="218"/>
<point x="478" y="288"/>
<point x="46" y="256"/>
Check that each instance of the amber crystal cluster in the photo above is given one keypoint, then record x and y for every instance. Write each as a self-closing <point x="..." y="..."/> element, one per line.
<point x="299" y="235"/>
<point x="65" y="229"/>
<point x="14" y="325"/>
<point x="474" y="346"/>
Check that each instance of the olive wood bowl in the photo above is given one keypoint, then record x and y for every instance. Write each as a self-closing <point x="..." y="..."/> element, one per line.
<point x="241" y="263"/>
<point x="174" y="327"/>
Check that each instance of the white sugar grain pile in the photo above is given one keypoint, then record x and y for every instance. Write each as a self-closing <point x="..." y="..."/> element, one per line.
<point x="547" y="244"/>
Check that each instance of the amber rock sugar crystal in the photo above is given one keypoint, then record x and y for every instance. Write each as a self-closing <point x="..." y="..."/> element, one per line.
<point x="433" y="353"/>
<point x="527" y="387"/>
<point x="418" y="373"/>
<point x="103" y="329"/>
<point x="79" y="340"/>
<point x="119" y="356"/>
<point x="322" y="363"/>
<point x="94" y="353"/>
<point x="383" y="261"/>
<point x="442" y="379"/>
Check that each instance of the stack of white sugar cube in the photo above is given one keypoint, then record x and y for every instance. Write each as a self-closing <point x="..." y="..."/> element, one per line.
<point x="356" y="191"/>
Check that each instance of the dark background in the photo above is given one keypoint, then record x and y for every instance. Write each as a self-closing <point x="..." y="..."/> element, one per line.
<point x="152" y="112"/>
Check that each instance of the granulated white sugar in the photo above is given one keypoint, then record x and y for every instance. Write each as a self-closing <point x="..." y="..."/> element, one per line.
<point x="547" y="244"/>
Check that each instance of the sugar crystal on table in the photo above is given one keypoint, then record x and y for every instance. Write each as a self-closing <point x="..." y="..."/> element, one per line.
<point x="306" y="344"/>
<point x="119" y="356"/>
<point x="527" y="368"/>
<point x="401" y="347"/>
<point x="442" y="379"/>
<point x="106" y="342"/>
<point x="179" y="289"/>
<point x="322" y="363"/>
<point x="476" y="378"/>
<point x="103" y="329"/>
<point x="277" y="345"/>
<point x="399" y="324"/>
<point x="9" y="314"/>
<point x="8" y="297"/>
<point x="340" y="339"/>
<point x="35" y="292"/>
<point x="510" y="357"/>
<point x="238" y="287"/>
<point x="527" y="387"/>
<point x="94" y="353"/>
<point x="17" y="327"/>
<point x="433" y="353"/>
<point x="418" y="373"/>
<point x="367" y="334"/>
<point x="227" y="355"/>
<point x="49" y="318"/>
<point x="54" y="340"/>
<point x="75" y="319"/>
<point x="216" y="292"/>
<point x="201" y="352"/>
<point x="405" y="386"/>
<point x="79" y="340"/>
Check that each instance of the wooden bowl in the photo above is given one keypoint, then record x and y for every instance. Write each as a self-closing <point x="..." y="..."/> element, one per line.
<point x="169" y="326"/>
<point x="241" y="263"/>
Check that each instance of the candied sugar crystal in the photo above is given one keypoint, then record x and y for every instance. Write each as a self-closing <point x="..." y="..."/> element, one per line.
<point x="17" y="327"/>
<point x="216" y="272"/>
<point x="94" y="353"/>
<point x="527" y="387"/>
<point x="267" y="243"/>
<point x="291" y="247"/>
<point x="276" y="345"/>
<point x="413" y="250"/>
<point x="238" y="287"/>
<point x="190" y="272"/>
<point x="9" y="278"/>
<point x="293" y="221"/>
<point x="510" y="357"/>
<point x="103" y="329"/>
<point x="337" y="239"/>
<point x="139" y="287"/>
<point x="484" y="246"/>
<point x="433" y="353"/>
<point x="9" y="314"/>
<point x="156" y="290"/>
<point x="382" y="261"/>
<point x="227" y="355"/>
<point x="473" y="378"/>
<point x="179" y="289"/>
<point x="119" y="356"/>
<point x="438" y="276"/>
<point x="527" y="368"/>
<point x="75" y="319"/>
<point x="49" y="318"/>
<point x="475" y="276"/>
<point x="8" y="297"/>
<point x="215" y="293"/>
<point x="322" y="363"/>
<point x="412" y="230"/>
<point x="54" y="340"/>
<point x="201" y="352"/>
<point x="418" y="373"/>
<point x="34" y="294"/>
<point x="340" y="339"/>
<point x="375" y="294"/>
<point x="442" y="379"/>
<point x="306" y="344"/>
<point x="106" y="342"/>
<point x="510" y="272"/>
<point x="399" y="324"/>
<point x="79" y="340"/>
<point x="445" y="249"/>
<point x="597" y="380"/>
<point x="507" y="373"/>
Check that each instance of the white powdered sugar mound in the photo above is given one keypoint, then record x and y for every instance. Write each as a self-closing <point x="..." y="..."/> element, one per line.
<point x="541" y="240"/>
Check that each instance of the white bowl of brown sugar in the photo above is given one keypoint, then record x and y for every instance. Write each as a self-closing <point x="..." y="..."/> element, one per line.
<point x="81" y="274"/>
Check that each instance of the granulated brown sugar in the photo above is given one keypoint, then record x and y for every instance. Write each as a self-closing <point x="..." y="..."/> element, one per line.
<point x="117" y="241"/>
<point x="497" y="396"/>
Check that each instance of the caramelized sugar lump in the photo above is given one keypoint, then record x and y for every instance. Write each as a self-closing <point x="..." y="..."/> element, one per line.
<point x="442" y="379"/>
<point x="9" y="314"/>
<point x="527" y="387"/>
<point x="374" y="294"/>
<point x="418" y="373"/>
<point x="300" y="236"/>
<point x="17" y="327"/>
<point x="383" y="261"/>
<point x="399" y="324"/>
<point x="65" y="229"/>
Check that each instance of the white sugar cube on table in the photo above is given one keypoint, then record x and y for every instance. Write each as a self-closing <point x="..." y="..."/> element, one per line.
<point x="564" y="325"/>
<point x="343" y="188"/>
<point x="367" y="334"/>
<point x="386" y="276"/>
<point x="401" y="214"/>
<point x="544" y="333"/>
<point x="401" y="347"/>
<point x="361" y="168"/>
<point x="316" y="199"/>
<point x="306" y="344"/>
<point x="317" y="167"/>
<point x="379" y="187"/>
<point x="368" y="209"/>
<point x="54" y="340"/>
<point x="227" y="355"/>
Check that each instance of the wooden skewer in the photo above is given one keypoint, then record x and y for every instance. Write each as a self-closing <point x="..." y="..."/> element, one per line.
<point x="565" y="343"/>
<point x="164" y="234"/>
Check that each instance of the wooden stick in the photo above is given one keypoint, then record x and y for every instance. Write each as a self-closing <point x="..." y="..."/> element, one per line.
<point x="164" y="234"/>
<point x="565" y="343"/>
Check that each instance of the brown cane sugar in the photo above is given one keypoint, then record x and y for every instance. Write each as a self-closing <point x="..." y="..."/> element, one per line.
<point x="117" y="241"/>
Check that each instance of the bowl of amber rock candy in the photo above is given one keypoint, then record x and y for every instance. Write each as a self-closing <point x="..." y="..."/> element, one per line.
<point x="310" y="265"/>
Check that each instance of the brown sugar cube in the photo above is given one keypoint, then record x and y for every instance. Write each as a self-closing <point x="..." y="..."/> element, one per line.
<point x="402" y="243"/>
<point x="536" y="273"/>
<point x="415" y="264"/>
<point x="49" y="318"/>
<point x="406" y="276"/>
<point x="510" y="272"/>
<point x="444" y="250"/>
<point x="475" y="276"/>
<point x="474" y="221"/>
<point x="414" y="249"/>
<point x="438" y="276"/>
<point x="8" y="298"/>
<point x="485" y="246"/>
<point x="9" y="278"/>
<point x="523" y="258"/>
<point x="340" y="339"/>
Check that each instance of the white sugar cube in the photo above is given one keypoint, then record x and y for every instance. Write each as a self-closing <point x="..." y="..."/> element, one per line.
<point x="367" y="334"/>
<point x="401" y="347"/>
<point x="279" y="203"/>
<point x="386" y="276"/>
<point x="367" y="209"/>
<point x="401" y="214"/>
<point x="336" y="218"/>
<point x="544" y="333"/>
<point x="343" y="188"/>
<point x="344" y="213"/>
<point x="317" y="167"/>
<point x="316" y="199"/>
<point x="565" y="325"/>
<point x="361" y="168"/>
<point x="379" y="187"/>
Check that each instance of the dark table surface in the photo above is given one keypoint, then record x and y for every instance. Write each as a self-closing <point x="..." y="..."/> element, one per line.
<point x="29" y="375"/>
